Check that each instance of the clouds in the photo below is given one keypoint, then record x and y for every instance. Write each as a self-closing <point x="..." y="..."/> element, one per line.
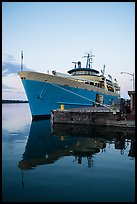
<point x="7" y="88"/>
<point x="10" y="66"/>
<point x="8" y="57"/>
<point x="11" y="84"/>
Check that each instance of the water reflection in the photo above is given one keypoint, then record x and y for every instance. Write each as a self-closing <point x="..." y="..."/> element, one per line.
<point x="49" y="160"/>
<point x="46" y="143"/>
<point x="121" y="138"/>
<point x="14" y="117"/>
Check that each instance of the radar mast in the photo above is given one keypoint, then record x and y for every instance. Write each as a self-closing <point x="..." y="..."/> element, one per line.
<point x="89" y="60"/>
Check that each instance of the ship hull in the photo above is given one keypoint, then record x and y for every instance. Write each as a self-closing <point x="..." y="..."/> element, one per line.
<point x="46" y="93"/>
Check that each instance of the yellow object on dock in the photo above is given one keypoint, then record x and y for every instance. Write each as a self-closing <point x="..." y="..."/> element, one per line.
<point x="62" y="107"/>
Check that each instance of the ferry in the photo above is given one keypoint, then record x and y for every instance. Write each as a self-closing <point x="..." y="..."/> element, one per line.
<point x="81" y="86"/>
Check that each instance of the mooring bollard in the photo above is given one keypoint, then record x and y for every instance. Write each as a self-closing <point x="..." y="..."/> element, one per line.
<point x="62" y="107"/>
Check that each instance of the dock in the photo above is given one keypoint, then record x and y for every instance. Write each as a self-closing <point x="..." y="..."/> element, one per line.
<point x="102" y="116"/>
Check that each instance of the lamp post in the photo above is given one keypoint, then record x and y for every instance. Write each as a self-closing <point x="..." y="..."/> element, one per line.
<point x="133" y="78"/>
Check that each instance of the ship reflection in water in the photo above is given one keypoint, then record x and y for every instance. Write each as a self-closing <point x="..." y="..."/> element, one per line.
<point x="46" y="143"/>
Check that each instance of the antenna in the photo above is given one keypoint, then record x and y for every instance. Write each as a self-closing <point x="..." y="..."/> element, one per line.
<point x="21" y="60"/>
<point x="89" y="60"/>
<point x="75" y="64"/>
<point x="103" y="71"/>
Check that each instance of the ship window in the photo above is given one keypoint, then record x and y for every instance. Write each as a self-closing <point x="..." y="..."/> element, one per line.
<point x="73" y="73"/>
<point x="91" y="83"/>
<point x="82" y="72"/>
<point x="102" y="84"/>
<point x="110" y="88"/>
<point x="85" y="72"/>
<point x="97" y="84"/>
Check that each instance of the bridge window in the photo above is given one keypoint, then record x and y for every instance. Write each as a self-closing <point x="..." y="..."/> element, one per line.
<point x="92" y="83"/>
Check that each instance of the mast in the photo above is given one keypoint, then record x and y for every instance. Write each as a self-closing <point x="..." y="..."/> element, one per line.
<point x="21" y="60"/>
<point x="89" y="60"/>
<point x="103" y="71"/>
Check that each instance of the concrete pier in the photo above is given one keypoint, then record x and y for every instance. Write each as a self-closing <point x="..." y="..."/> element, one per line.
<point x="91" y="116"/>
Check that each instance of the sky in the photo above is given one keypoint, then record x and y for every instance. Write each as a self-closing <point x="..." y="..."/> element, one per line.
<point x="54" y="34"/>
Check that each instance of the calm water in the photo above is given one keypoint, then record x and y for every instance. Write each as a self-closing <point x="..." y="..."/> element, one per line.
<point x="42" y="162"/>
